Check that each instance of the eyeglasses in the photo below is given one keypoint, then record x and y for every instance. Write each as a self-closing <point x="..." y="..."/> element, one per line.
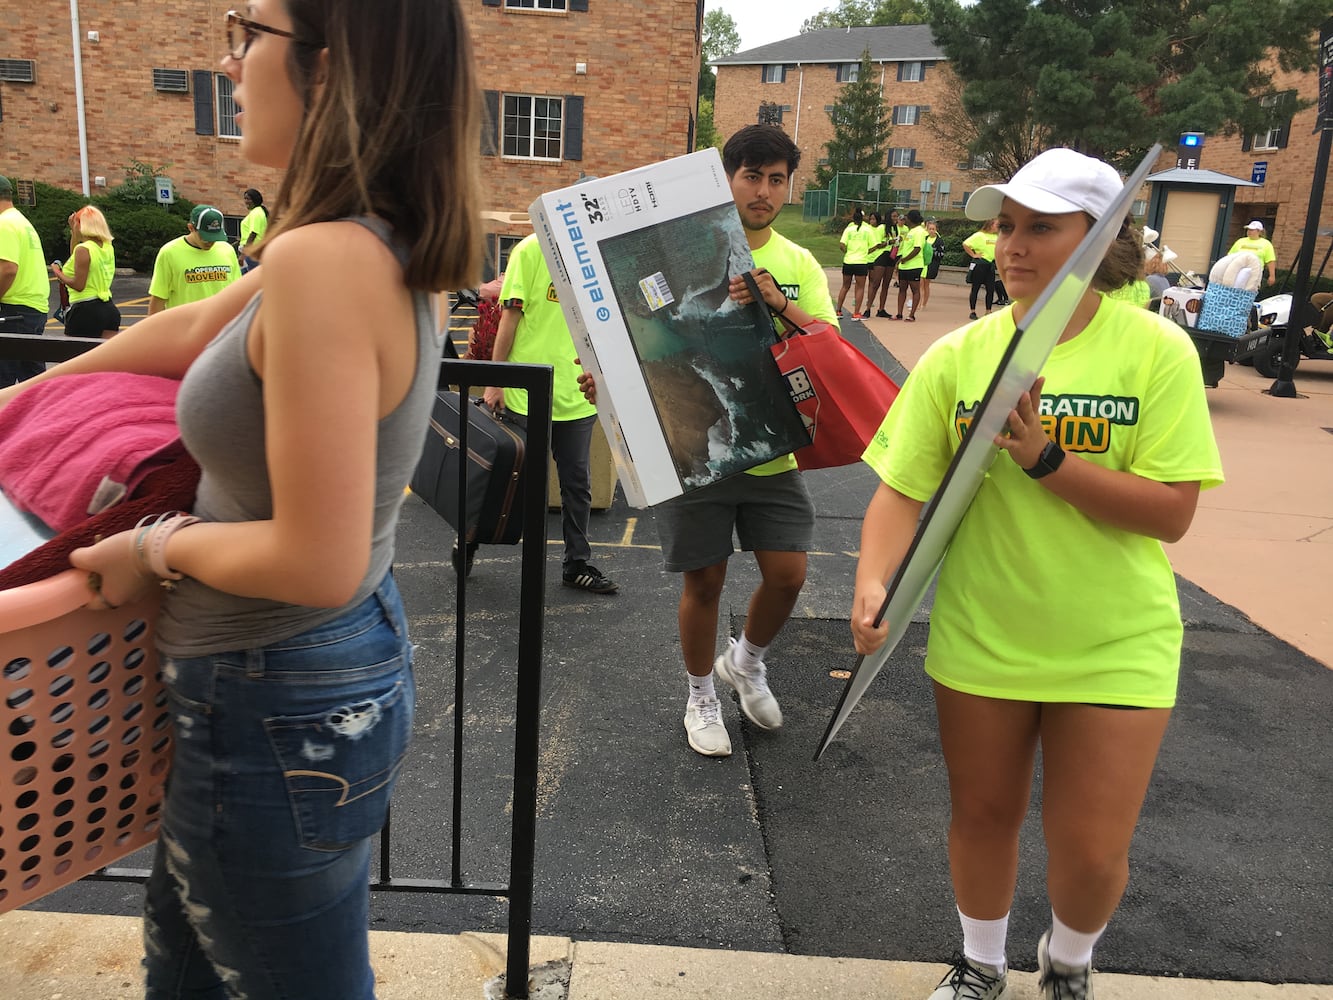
<point x="241" y="31"/>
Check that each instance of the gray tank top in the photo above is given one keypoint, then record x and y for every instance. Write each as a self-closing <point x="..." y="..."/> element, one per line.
<point x="220" y="410"/>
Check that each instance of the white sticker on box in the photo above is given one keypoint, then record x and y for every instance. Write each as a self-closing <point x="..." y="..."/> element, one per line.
<point x="656" y="291"/>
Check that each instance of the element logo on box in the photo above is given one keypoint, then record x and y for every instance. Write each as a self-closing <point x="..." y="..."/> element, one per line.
<point x="656" y="291"/>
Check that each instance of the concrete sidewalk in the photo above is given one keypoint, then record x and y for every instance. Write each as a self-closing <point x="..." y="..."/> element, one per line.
<point x="50" y="956"/>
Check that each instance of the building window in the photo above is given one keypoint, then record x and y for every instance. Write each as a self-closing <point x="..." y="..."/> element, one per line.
<point x="770" y="113"/>
<point x="909" y="72"/>
<point x="536" y="4"/>
<point x="849" y="72"/>
<point x="980" y="161"/>
<point x="776" y="73"/>
<point x="532" y="127"/>
<point x="226" y="108"/>
<point x="902" y="157"/>
<point x="906" y="114"/>
<point x="1269" y="138"/>
<point x="900" y="196"/>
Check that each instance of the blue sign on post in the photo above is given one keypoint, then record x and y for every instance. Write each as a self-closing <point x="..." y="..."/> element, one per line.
<point x="1259" y="171"/>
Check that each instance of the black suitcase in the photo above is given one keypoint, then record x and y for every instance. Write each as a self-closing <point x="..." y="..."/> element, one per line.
<point x="495" y="466"/>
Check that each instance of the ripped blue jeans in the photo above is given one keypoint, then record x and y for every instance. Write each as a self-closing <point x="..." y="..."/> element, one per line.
<point x="285" y="758"/>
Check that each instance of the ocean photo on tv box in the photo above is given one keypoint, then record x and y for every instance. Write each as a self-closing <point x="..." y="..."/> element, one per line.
<point x="722" y="404"/>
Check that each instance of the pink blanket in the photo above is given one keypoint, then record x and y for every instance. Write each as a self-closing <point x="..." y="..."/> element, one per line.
<point x="73" y="446"/>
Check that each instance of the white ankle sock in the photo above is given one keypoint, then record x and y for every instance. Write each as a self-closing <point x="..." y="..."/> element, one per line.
<point x="701" y="687"/>
<point x="747" y="655"/>
<point x="983" y="940"/>
<point x="1070" y="947"/>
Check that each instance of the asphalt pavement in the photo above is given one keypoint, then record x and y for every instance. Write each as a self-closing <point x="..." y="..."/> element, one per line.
<point x="643" y="842"/>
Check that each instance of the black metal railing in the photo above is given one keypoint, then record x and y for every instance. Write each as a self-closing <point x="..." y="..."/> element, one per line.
<point x="537" y="381"/>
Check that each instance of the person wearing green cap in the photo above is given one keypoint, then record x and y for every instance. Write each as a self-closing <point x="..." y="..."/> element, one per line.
<point x="24" y="289"/>
<point x="194" y="266"/>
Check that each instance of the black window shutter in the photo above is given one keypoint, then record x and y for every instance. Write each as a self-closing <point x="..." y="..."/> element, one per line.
<point x="1246" y="143"/>
<point x="580" y="6"/>
<point x="203" y="101"/>
<point x="900" y="72"/>
<point x="573" y="128"/>
<point x="763" y="74"/>
<point x="784" y="74"/>
<point x="915" y="161"/>
<point x="925" y="66"/>
<point x="490" y="126"/>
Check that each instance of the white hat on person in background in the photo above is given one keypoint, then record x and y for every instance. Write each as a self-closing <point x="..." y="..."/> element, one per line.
<point x="1256" y="224"/>
<point x="1054" y="182"/>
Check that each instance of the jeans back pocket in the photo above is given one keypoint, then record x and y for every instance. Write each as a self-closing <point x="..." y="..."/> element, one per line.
<point x="339" y="765"/>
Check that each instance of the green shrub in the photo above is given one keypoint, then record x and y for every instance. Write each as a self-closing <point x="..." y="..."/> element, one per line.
<point x="140" y="228"/>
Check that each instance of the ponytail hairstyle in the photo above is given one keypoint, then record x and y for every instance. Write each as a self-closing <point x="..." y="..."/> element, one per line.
<point x="392" y="128"/>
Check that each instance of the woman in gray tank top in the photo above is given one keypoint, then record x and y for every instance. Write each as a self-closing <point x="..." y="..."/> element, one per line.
<point x="306" y="389"/>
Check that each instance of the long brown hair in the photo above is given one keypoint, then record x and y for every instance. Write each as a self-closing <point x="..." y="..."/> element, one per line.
<point x="391" y="128"/>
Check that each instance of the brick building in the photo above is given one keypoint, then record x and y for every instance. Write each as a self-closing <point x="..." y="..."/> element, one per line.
<point x="801" y="78"/>
<point x="1281" y="160"/>
<point x="572" y="86"/>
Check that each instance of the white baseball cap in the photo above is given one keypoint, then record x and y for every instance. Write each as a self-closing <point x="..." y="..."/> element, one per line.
<point x="1256" y="224"/>
<point x="1054" y="182"/>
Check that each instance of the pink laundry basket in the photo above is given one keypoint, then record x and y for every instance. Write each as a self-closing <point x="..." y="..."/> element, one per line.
<point x="85" y="737"/>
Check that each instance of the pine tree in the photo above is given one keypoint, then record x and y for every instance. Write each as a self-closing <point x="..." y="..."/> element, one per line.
<point x="861" y="129"/>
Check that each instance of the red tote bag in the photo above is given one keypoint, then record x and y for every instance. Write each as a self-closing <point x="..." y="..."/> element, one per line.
<point x="840" y="393"/>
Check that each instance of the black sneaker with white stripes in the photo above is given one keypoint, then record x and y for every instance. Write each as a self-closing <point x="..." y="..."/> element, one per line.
<point x="585" y="576"/>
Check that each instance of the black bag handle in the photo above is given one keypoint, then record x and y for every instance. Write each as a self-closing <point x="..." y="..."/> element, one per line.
<point x="792" y="329"/>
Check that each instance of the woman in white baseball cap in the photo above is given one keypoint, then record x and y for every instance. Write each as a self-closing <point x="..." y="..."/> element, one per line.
<point x="1055" y="622"/>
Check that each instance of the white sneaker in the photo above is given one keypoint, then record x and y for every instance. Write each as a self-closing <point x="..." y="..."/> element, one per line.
<point x="969" y="980"/>
<point x="757" y="701"/>
<point x="1058" y="981"/>
<point x="704" y="728"/>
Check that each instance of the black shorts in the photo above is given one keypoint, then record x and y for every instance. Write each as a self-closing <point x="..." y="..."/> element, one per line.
<point x="855" y="270"/>
<point x="909" y="274"/>
<point x="885" y="259"/>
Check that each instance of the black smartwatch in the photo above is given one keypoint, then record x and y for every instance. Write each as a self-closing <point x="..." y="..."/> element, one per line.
<point x="1048" y="461"/>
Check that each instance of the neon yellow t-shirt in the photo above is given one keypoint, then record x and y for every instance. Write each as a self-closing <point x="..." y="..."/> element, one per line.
<point x="20" y="245"/>
<point x="982" y="243"/>
<point x="256" y="223"/>
<point x="1036" y="601"/>
<point x="1261" y="248"/>
<point x="858" y="239"/>
<point x="183" y="273"/>
<point x="879" y="234"/>
<point x="803" y="281"/>
<point x="914" y="240"/>
<point x="542" y="337"/>
<point x="101" y="269"/>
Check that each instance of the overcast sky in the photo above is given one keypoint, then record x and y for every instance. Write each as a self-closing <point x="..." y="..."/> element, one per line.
<point x="762" y="21"/>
